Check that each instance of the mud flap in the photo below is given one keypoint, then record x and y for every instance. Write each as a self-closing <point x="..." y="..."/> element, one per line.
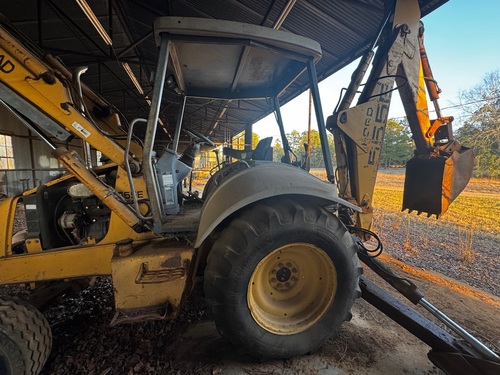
<point x="431" y="184"/>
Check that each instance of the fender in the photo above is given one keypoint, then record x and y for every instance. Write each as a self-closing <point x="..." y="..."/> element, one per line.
<point x="258" y="183"/>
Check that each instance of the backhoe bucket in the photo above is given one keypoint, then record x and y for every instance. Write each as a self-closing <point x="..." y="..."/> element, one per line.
<point x="432" y="184"/>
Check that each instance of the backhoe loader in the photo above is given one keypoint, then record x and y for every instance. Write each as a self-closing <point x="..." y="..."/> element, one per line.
<point x="279" y="249"/>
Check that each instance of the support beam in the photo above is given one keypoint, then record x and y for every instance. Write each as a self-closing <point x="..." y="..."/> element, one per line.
<point x="64" y="264"/>
<point x="327" y="157"/>
<point x="284" y="140"/>
<point x="149" y="139"/>
<point x="134" y="44"/>
<point x="248" y="136"/>
<point x="178" y="127"/>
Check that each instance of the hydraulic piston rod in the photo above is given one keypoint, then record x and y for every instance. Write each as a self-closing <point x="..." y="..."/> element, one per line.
<point x="412" y="293"/>
<point x="478" y="345"/>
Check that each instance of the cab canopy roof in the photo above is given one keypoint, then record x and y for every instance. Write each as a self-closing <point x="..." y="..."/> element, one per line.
<point x="232" y="60"/>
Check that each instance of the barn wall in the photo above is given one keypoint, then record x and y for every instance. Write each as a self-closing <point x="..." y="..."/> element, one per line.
<point x="34" y="164"/>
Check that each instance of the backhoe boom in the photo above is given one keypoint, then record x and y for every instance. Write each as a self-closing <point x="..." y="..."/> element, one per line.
<point x="441" y="167"/>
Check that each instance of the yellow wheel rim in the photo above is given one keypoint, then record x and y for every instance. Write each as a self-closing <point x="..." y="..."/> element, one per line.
<point x="292" y="288"/>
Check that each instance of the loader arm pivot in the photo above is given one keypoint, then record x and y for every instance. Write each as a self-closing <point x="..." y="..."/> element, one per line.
<point x="441" y="167"/>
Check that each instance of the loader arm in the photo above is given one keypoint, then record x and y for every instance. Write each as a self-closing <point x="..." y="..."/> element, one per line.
<point x="49" y="90"/>
<point x="441" y="167"/>
<point x="44" y="96"/>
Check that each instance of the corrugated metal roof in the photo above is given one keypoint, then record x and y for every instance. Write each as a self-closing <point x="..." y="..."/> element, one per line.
<point x="344" y="28"/>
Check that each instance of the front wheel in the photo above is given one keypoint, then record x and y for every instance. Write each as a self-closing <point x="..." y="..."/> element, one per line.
<point x="282" y="277"/>
<point x="25" y="338"/>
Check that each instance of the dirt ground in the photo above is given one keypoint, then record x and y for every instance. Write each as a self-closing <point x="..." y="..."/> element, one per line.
<point x="370" y="343"/>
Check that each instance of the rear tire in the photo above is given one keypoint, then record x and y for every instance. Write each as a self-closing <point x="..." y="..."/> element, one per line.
<point x="25" y="338"/>
<point x="282" y="278"/>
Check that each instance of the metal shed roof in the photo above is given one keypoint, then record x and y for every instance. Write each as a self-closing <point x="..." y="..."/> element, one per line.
<point x="344" y="29"/>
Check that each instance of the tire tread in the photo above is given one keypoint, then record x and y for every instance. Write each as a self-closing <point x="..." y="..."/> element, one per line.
<point x="246" y="228"/>
<point x="29" y="329"/>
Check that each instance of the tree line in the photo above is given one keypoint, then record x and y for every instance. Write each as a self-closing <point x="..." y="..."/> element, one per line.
<point x="297" y="142"/>
<point x="479" y="130"/>
<point x="397" y="148"/>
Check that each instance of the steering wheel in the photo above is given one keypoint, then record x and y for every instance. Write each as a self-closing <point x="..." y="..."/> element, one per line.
<point x="199" y="137"/>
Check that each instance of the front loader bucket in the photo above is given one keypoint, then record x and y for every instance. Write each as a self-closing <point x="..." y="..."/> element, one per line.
<point x="431" y="184"/>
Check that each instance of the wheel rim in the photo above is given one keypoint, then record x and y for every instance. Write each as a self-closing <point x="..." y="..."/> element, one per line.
<point x="292" y="288"/>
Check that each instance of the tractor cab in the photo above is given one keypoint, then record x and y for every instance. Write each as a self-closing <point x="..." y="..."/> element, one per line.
<point x="206" y="61"/>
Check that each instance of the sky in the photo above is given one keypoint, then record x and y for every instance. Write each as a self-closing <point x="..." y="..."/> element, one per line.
<point x="462" y="40"/>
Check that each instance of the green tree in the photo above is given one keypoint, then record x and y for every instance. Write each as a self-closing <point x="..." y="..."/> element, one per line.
<point x="481" y="129"/>
<point x="294" y="141"/>
<point x="315" y="146"/>
<point x="278" y="151"/>
<point x="398" y="146"/>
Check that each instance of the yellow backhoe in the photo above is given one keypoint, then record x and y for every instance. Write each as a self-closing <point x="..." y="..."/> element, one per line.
<point x="279" y="249"/>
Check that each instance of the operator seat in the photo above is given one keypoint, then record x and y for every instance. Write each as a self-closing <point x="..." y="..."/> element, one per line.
<point x="263" y="151"/>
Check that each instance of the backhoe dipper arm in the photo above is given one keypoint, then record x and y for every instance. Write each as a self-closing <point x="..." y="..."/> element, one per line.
<point x="359" y="130"/>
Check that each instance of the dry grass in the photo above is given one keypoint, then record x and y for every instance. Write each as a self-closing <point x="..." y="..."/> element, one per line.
<point x="468" y="209"/>
<point x="470" y="217"/>
<point x="476" y="210"/>
<point x="465" y="243"/>
<point x="477" y="207"/>
<point x="407" y="245"/>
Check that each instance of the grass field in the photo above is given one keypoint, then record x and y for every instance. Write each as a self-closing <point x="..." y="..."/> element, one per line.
<point x="478" y="206"/>
<point x="463" y="244"/>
